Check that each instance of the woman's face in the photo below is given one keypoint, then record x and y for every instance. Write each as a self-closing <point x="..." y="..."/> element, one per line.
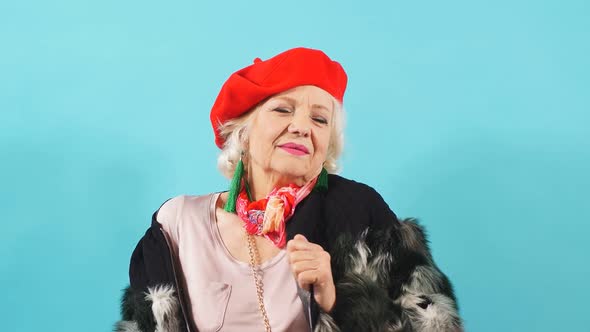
<point x="290" y="133"/>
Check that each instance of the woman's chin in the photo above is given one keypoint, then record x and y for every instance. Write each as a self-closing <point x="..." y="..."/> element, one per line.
<point x="296" y="175"/>
<point x="292" y="169"/>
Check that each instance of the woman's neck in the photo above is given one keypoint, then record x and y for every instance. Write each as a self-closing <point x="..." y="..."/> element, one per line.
<point x="261" y="185"/>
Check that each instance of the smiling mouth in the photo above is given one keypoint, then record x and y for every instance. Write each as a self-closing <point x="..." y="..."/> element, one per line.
<point x="294" y="149"/>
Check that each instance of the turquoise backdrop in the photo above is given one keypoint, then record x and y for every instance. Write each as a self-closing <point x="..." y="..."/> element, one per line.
<point x="470" y="115"/>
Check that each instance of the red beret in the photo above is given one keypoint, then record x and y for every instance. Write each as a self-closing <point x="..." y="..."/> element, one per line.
<point x="251" y="85"/>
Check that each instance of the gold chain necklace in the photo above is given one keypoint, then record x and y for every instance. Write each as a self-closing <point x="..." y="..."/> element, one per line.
<point x="256" y="271"/>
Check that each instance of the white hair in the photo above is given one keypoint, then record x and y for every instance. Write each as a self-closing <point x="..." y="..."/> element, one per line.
<point x="235" y="135"/>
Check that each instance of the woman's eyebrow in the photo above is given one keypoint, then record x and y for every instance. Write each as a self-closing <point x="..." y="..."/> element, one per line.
<point x="321" y="107"/>
<point x="294" y="101"/>
<point x="289" y="99"/>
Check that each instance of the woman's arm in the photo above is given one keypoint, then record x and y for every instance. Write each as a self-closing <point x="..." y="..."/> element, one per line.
<point x="151" y="301"/>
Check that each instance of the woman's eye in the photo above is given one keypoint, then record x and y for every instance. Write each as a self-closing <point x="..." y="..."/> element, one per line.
<point x="320" y="119"/>
<point x="282" y="110"/>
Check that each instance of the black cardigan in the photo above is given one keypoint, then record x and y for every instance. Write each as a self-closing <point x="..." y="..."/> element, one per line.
<point x="385" y="277"/>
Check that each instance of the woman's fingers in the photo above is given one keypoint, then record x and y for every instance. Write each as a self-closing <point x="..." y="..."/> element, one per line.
<point x="309" y="262"/>
<point x="302" y="255"/>
<point x="311" y="265"/>
<point x="300" y="237"/>
<point x="307" y="278"/>
<point x="299" y="242"/>
<point x="303" y="266"/>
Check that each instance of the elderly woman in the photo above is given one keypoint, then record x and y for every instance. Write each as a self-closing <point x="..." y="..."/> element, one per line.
<point x="290" y="246"/>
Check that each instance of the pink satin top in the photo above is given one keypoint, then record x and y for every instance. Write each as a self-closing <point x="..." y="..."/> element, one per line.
<point x="221" y="289"/>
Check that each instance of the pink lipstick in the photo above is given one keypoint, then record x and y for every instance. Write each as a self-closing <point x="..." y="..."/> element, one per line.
<point x="294" y="149"/>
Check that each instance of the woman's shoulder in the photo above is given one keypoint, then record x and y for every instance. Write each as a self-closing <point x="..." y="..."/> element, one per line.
<point x="343" y="189"/>
<point x="173" y="209"/>
<point x="359" y="202"/>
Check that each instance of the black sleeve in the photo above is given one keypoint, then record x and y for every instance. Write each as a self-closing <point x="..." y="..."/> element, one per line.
<point x="384" y="273"/>
<point x="151" y="271"/>
<point x="151" y="260"/>
<point x="357" y="218"/>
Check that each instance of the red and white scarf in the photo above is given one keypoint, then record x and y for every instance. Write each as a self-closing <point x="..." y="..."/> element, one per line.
<point x="268" y="216"/>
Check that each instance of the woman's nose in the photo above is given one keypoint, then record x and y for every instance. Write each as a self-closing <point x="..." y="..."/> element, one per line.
<point x="299" y="125"/>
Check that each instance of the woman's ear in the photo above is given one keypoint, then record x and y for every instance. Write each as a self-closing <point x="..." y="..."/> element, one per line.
<point x="244" y="149"/>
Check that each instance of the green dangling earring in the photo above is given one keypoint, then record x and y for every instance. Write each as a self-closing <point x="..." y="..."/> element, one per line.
<point x="234" y="188"/>
<point x="322" y="183"/>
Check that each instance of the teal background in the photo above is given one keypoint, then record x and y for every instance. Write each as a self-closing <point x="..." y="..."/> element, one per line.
<point x="470" y="115"/>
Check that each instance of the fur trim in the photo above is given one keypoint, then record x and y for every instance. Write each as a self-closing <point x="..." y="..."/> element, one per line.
<point x="136" y="313"/>
<point x="424" y="279"/>
<point x="156" y="310"/>
<point x="127" y="326"/>
<point x="413" y="237"/>
<point x="431" y="313"/>
<point x="326" y="323"/>
<point x="419" y="297"/>
<point x="165" y="308"/>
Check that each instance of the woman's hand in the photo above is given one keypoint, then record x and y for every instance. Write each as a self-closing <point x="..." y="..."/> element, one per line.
<point x="311" y="266"/>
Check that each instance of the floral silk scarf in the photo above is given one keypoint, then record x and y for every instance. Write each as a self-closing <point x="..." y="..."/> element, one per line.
<point x="269" y="215"/>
